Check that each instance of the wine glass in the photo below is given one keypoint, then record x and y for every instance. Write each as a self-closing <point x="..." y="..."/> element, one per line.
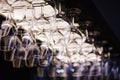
<point x="26" y="40"/>
<point x="61" y="71"/>
<point x="74" y="33"/>
<point x="45" y="55"/>
<point x="8" y="31"/>
<point x="20" y="8"/>
<point x="40" y="72"/>
<point x="10" y="2"/>
<point x="60" y="12"/>
<point x="5" y="9"/>
<point x="10" y="25"/>
<point x="32" y="55"/>
<point x="86" y="48"/>
<point x="40" y="22"/>
<point x="19" y="57"/>
<point x="6" y="27"/>
<point x="56" y="36"/>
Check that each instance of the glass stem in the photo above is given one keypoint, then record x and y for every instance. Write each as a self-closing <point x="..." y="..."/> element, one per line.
<point x="59" y="9"/>
<point x="86" y="32"/>
<point x="73" y="21"/>
<point x="42" y="11"/>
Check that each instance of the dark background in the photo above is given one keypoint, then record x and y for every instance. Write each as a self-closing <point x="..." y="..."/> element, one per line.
<point x="106" y="16"/>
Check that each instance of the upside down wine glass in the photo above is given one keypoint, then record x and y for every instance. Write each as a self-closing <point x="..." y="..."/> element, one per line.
<point x="8" y="30"/>
<point x="20" y="7"/>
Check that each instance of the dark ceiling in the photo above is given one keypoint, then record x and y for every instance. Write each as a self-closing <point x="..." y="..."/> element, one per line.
<point x="105" y="18"/>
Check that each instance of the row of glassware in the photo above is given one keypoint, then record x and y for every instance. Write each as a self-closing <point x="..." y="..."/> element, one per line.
<point x="33" y="35"/>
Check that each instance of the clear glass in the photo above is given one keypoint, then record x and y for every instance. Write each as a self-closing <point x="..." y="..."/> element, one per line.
<point x="5" y="9"/>
<point x="60" y="13"/>
<point x="10" y="2"/>
<point x="32" y="55"/>
<point x="8" y="31"/>
<point x="19" y="57"/>
<point x="40" y="22"/>
<point x="40" y="72"/>
<point x="19" y="9"/>
<point x="14" y="44"/>
<point x="44" y="56"/>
